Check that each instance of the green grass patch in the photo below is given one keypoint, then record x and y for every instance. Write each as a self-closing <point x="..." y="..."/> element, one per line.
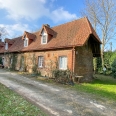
<point x="12" y="104"/>
<point x="103" y="86"/>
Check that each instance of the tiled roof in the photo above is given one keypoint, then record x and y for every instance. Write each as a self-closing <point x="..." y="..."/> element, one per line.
<point x="15" y="47"/>
<point x="29" y="35"/>
<point x="70" y="34"/>
<point x="74" y="33"/>
<point x="48" y="30"/>
<point x="9" y="41"/>
<point x="1" y="44"/>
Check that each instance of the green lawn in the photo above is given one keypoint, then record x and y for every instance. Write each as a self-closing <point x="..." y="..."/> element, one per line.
<point x="103" y="86"/>
<point x="11" y="104"/>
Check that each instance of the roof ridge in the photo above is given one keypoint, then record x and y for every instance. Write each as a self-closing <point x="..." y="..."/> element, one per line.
<point x="92" y="30"/>
<point x="69" y="22"/>
<point x="89" y="25"/>
<point x="60" y="24"/>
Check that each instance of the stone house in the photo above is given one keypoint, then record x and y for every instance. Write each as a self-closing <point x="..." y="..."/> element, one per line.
<point x="68" y="46"/>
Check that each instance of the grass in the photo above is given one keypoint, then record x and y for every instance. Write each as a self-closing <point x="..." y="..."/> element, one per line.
<point x="11" y="104"/>
<point x="102" y="87"/>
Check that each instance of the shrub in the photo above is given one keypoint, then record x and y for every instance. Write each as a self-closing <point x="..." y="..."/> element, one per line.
<point x="114" y="68"/>
<point x="0" y="60"/>
<point x="62" y="76"/>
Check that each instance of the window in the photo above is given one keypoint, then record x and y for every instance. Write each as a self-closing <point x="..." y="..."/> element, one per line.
<point x="25" y="42"/>
<point x="40" y="61"/>
<point x="44" y="38"/>
<point x="6" y="46"/>
<point x="63" y="62"/>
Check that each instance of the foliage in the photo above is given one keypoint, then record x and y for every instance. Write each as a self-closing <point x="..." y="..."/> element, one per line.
<point x="114" y="68"/>
<point x="34" y="68"/>
<point x="109" y="58"/>
<point x="99" y="64"/>
<point x="11" y="104"/>
<point x="62" y="76"/>
<point x="14" y="61"/>
<point x="0" y="60"/>
<point x="23" y="65"/>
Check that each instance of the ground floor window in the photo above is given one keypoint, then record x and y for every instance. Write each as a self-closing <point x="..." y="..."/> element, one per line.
<point x="40" y="61"/>
<point x="63" y="62"/>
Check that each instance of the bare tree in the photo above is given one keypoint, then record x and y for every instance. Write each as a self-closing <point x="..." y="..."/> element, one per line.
<point x="3" y="32"/>
<point x="102" y="14"/>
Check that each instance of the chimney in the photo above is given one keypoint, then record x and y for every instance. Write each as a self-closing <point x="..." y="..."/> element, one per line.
<point x="47" y="25"/>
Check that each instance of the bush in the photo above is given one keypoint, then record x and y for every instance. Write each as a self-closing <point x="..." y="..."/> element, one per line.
<point x="0" y="60"/>
<point x="114" y="68"/>
<point x="62" y="76"/>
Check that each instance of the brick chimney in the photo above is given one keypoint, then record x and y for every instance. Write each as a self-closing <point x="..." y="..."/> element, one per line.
<point x="47" y="25"/>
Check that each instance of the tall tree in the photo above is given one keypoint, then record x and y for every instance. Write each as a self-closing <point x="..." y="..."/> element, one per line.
<point x="102" y="14"/>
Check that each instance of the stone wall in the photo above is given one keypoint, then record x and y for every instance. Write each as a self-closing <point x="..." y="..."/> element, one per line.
<point x="28" y="61"/>
<point x="84" y="63"/>
<point x="51" y="59"/>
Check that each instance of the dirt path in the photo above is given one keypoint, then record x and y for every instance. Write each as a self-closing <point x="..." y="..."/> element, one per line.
<point x="55" y="100"/>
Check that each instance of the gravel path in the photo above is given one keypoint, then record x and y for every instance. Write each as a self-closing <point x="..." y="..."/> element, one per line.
<point x="55" y="100"/>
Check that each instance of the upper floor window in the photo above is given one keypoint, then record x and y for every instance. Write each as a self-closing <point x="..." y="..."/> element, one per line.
<point x="63" y="62"/>
<point x="44" y="38"/>
<point x="6" y="46"/>
<point x="25" y="42"/>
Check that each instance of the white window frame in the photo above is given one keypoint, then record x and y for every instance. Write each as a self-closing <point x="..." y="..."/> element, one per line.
<point x="40" y="61"/>
<point x="44" y="38"/>
<point x="26" y="42"/>
<point x="63" y="62"/>
<point x="6" y="46"/>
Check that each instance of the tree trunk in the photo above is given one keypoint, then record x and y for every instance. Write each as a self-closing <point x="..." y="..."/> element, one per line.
<point x="102" y="54"/>
<point x="95" y="65"/>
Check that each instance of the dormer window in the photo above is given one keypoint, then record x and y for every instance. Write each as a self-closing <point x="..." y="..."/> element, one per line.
<point x="6" y="46"/>
<point x="25" y="42"/>
<point x="44" y="38"/>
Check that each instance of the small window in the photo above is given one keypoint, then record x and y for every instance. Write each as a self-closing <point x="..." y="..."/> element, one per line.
<point x="44" y="38"/>
<point x="25" y="42"/>
<point x="40" y="61"/>
<point x="6" y="46"/>
<point x="63" y="62"/>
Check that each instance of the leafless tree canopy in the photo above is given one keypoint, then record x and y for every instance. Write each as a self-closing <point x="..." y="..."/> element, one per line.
<point x="102" y="14"/>
<point x="3" y="32"/>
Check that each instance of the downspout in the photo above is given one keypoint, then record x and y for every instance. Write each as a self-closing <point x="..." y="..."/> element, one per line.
<point x="73" y="59"/>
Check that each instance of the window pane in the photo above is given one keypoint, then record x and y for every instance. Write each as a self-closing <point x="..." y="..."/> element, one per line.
<point x="63" y="62"/>
<point x="6" y="46"/>
<point x="25" y="42"/>
<point x="44" y="39"/>
<point x="40" y="61"/>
